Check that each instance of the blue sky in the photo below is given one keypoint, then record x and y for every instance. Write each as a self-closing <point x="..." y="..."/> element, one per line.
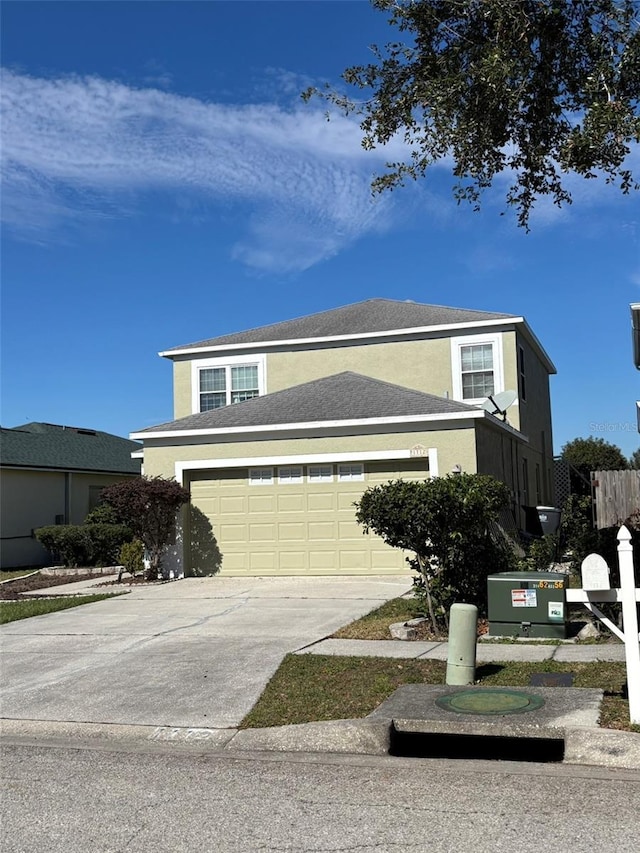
<point x="164" y="183"/>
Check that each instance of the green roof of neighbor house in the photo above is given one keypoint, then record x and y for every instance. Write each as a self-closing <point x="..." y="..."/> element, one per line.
<point x="370" y="316"/>
<point x="342" y="397"/>
<point x="42" y="445"/>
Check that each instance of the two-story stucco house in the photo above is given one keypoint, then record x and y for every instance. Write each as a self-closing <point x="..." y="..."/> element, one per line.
<point x="278" y="430"/>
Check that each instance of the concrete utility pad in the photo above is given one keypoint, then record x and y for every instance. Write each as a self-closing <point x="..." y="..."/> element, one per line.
<point x="414" y="708"/>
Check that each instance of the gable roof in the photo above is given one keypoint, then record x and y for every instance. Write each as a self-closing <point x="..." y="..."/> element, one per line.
<point x="359" y="318"/>
<point x="344" y="396"/>
<point x="42" y="445"/>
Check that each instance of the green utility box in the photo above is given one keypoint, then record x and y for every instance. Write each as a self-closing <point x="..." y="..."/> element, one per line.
<point x="527" y="604"/>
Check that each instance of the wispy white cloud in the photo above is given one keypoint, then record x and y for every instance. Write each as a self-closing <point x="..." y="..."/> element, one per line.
<point x="73" y="146"/>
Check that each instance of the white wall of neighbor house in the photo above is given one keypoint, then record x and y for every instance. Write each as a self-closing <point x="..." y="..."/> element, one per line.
<point x="36" y="498"/>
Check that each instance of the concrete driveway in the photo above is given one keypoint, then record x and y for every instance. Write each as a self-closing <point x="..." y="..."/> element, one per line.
<point x="196" y="652"/>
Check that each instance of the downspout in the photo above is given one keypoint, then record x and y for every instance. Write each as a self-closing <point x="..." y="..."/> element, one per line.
<point x="67" y="497"/>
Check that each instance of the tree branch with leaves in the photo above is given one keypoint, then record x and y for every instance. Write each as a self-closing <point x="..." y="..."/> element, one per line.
<point x="535" y="89"/>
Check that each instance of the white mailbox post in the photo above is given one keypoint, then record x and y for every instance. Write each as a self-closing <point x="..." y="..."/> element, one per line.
<point x="596" y="589"/>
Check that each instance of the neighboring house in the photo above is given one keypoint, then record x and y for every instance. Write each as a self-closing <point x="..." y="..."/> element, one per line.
<point x="329" y="404"/>
<point x="54" y="474"/>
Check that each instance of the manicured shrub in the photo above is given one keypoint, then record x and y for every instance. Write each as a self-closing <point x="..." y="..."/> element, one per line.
<point x="68" y="544"/>
<point x="84" y="544"/>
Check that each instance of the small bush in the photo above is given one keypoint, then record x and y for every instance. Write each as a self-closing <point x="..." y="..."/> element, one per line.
<point x="67" y="543"/>
<point x="84" y="544"/>
<point x="131" y="557"/>
<point x="106" y="542"/>
<point x="102" y="514"/>
<point x="540" y="554"/>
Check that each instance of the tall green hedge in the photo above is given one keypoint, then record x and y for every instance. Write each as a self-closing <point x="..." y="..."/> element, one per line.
<point x="84" y="544"/>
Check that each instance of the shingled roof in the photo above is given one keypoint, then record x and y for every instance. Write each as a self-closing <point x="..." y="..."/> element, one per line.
<point x="42" y="445"/>
<point x="372" y="315"/>
<point x="342" y="397"/>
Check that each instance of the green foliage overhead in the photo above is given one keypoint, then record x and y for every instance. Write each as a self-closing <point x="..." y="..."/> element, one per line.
<point x="634" y="460"/>
<point x="533" y="88"/>
<point x="591" y="454"/>
<point x="449" y="524"/>
<point x="149" y="506"/>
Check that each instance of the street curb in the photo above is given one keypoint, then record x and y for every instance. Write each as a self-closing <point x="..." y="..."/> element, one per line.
<point x="583" y="745"/>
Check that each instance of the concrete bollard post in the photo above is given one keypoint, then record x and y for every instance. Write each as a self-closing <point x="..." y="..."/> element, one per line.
<point x="463" y="631"/>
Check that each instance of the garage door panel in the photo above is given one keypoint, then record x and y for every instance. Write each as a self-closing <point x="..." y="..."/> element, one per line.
<point x="295" y="528"/>
<point x="262" y="561"/>
<point x="291" y="503"/>
<point x="289" y="531"/>
<point x="323" y="561"/>
<point x="322" y="530"/>
<point x="264" y="502"/>
<point x="236" y="505"/>
<point x="349" y="530"/>
<point x="233" y="532"/>
<point x="346" y="500"/>
<point x="262" y="533"/>
<point x="293" y="562"/>
<point x="321" y="502"/>
<point x="356" y="559"/>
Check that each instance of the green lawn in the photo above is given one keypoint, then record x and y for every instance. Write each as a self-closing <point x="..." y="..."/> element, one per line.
<point x="375" y="625"/>
<point x="323" y="687"/>
<point x="10" y="611"/>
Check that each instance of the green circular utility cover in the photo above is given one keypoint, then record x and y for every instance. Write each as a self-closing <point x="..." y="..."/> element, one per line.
<point x="490" y="700"/>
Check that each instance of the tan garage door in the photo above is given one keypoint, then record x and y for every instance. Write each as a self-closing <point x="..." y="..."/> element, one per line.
<point x="296" y="520"/>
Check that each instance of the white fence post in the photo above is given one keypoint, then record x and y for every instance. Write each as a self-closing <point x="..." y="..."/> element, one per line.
<point x="630" y="621"/>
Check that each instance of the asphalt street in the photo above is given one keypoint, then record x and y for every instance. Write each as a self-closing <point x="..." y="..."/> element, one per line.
<point x="73" y="799"/>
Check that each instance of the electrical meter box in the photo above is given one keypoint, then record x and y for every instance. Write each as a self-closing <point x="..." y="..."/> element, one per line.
<point x="527" y="604"/>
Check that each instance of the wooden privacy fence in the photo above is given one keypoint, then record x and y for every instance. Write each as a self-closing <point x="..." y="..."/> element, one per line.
<point x="616" y="495"/>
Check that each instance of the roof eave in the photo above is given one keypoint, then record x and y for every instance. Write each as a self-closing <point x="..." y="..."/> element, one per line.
<point x="321" y="426"/>
<point x="360" y="336"/>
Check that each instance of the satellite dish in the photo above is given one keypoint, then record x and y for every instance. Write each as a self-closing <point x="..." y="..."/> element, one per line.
<point x="497" y="404"/>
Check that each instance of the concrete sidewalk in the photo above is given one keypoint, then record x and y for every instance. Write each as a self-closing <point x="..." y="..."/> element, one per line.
<point x="486" y="651"/>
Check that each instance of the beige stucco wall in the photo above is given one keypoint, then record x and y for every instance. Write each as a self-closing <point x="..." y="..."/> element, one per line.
<point x="423" y="364"/>
<point x="182" y="389"/>
<point x="32" y="499"/>
<point x="454" y="446"/>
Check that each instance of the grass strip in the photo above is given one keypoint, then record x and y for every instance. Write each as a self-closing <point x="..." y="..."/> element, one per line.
<point x="11" y="611"/>
<point x="307" y="688"/>
<point x="375" y="625"/>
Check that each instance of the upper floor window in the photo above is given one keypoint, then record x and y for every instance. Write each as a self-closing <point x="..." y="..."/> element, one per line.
<point x="476" y="364"/>
<point x="219" y="382"/>
<point x="522" y="380"/>
<point x="476" y="361"/>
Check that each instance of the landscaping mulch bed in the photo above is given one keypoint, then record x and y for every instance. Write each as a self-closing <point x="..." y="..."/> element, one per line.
<point x="14" y="590"/>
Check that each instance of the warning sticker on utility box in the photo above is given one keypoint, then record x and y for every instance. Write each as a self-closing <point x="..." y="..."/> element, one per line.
<point x="524" y="598"/>
<point x="556" y="610"/>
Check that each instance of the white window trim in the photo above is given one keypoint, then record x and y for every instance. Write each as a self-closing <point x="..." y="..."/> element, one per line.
<point x="456" y="364"/>
<point x="184" y="466"/>
<point x="230" y="361"/>
<point x="259" y="481"/>
<point x="353" y="477"/>
<point x="295" y="478"/>
<point x="322" y="478"/>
